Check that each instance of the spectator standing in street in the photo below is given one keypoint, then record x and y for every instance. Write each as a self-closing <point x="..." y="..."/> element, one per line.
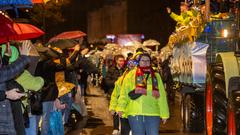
<point x="25" y="82"/>
<point x="112" y="75"/>
<point x="7" y="73"/>
<point x="115" y="72"/>
<point x="125" y="127"/>
<point x="46" y="68"/>
<point x="143" y="98"/>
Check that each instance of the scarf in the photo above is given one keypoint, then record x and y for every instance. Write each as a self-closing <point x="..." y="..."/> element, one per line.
<point x="141" y="81"/>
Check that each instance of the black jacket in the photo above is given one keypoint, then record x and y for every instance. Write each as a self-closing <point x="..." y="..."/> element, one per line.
<point x="47" y="69"/>
<point x="112" y="75"/>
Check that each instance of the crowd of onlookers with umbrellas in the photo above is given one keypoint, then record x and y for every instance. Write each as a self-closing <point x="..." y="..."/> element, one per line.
<point x="39" y="82"/>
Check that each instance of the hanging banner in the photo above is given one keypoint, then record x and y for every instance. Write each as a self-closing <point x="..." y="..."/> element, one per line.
<point x="199" y="62"/>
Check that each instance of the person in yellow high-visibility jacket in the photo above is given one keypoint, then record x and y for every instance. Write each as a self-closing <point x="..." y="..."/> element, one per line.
<point x="184" y="18"/>
<point x="143" y="98"/>
<point x="125" y="128"/>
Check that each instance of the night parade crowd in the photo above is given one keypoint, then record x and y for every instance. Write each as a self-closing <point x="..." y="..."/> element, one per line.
<point x="38" y="94"/>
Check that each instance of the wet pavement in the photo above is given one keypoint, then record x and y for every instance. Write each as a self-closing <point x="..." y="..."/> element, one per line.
<point x="99" y="119"/>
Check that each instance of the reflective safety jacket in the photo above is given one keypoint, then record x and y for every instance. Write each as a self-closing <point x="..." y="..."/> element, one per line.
<point x="116" y="93"/>
<point x="146" y="105"/>
<point x="183" y="19"/>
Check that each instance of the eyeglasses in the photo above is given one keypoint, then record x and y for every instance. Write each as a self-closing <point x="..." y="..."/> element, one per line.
<point x="145" y="60"/>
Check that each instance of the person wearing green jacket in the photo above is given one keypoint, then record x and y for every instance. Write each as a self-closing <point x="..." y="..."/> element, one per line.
<point x="143" y="98"/>
<point x="125" y="128"/>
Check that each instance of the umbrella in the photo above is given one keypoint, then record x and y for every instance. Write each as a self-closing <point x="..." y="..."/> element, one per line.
<point x="46" y="52"/>
<point x="25" y="31"/>
<point x="68" y="35"/>
<point x="39" y="1"/>
<point x="5" y="24"/>
<point x="5" y="18"/>
<point x="135" y="44"/>
<point x="151" y="42"/>
<point x="63" y="43"/>
<point x="15" y="4"/>
<point x="18" y="31"/>
<point x="10" y="4"/>
<point x="111" y="46"/>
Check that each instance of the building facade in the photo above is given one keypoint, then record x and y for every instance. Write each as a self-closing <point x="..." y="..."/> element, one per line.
<point x="131" y="17"/>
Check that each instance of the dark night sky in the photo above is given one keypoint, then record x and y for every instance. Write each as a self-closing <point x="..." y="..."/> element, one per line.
<point x="153" y="12"/>
<point x="151" y="18"/>
<point x="155" y="22"/>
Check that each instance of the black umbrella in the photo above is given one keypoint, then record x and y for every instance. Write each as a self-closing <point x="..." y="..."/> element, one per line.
<point x="63" y="44"/>
<point x="47" y="52"/>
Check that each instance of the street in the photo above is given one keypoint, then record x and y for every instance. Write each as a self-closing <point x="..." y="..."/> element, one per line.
<point x="99" y="120"/>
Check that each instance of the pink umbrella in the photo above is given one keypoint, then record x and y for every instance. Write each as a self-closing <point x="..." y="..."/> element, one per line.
<point x="68" y="35"/>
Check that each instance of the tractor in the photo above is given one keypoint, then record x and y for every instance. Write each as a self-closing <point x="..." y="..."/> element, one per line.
<point x="208" y="69"/>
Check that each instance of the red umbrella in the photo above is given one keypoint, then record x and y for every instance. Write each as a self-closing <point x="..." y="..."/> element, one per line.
<point x="68" y="35"/>
<point x="5" y="24"/>
<point x="18" y="31"/>
<point x="10" y="30"/>
<point x="37" y="1"/>
<point x="25" y="31"/>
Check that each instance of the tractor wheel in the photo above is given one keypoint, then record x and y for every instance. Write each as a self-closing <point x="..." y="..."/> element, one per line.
<point x="233" y="122"/>
<point x="192" y="113"/>
<point x="216" y="101"/>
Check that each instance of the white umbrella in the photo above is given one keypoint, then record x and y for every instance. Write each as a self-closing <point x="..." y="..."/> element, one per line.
<point x="111" y="45"/>
<point x="151" y="42"/>
<point x="134" y="43"/>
